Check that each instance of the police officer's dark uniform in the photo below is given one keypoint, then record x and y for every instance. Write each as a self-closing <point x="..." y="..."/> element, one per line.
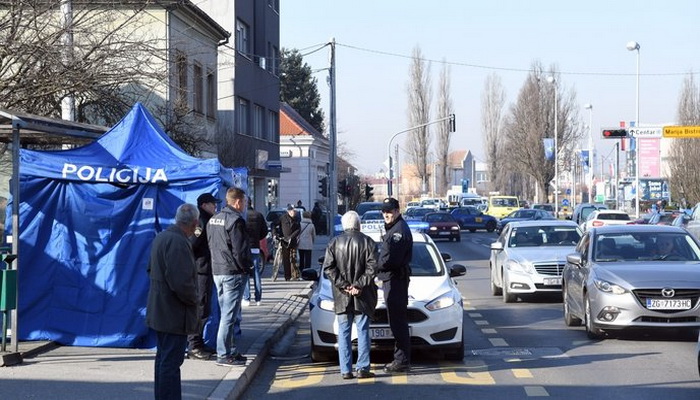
<point x="205" y="280"/>
<point x="394" y="272"/>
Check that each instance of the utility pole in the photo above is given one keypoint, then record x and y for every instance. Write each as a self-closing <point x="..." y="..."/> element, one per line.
<point x="68" y="101"/>
<point x="332" y="173"/>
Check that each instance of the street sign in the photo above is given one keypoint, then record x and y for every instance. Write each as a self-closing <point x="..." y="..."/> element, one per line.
<point x="565" y="202"/>
<point x="649" y="132"/>
<point x="599" y="198"/>
<point x="681" y="131"/>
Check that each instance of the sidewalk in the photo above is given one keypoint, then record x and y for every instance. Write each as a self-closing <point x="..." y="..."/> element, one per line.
<point x="67" y="372"/>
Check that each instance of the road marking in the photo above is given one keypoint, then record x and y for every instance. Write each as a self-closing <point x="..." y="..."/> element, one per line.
<point x="481" y="322"/>
<point x="536" y="391"/>
<point x="521" y="373"/>
<point x="475" y="315"/>
<point x="295" y="377"/>
<point x="498" y="342"/>
<point x="399" y="379"/>
<point x="471" y="378"/>
<point x="488" y="331"/>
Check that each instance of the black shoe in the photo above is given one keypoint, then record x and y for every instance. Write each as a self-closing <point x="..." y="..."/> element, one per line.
<point x="395" y="367"/>
<point x="200" y="354"/>
<point x="348" y="375"/>
<point x="231" y="360"/>
<point x="364" y="374"/>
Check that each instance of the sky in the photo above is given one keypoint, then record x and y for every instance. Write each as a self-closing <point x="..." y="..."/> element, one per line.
<point x="584" y="40"/>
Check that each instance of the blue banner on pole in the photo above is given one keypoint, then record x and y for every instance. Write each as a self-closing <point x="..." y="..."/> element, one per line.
<point x="585" y="158"/>
<point x="548" y="148"/>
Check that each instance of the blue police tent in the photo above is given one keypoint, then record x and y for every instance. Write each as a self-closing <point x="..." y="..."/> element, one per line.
<point x="87" y="218"/>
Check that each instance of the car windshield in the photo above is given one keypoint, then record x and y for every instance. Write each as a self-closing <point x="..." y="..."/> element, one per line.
<point x="439" y="217"/>
<point x="504" y="202"/>
<point x="645" y="246"/>
<point x="372" y="215"/>
<point x="535" y="236"/>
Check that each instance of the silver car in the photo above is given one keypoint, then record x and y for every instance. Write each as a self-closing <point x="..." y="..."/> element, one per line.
<point x="633" y="276"/>
<point x="529" y="257"/>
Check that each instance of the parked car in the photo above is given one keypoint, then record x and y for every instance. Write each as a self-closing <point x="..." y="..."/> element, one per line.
<point x="529" y="256"/>
<point x="627" y="276"/>
<point x="412" y="204"/>
<point x="582" y="211"/>
<point x="470" y="217"/>
<point x="525" y="214"/>
<point x="366" y="206"/>
<point x="663" y="218"/>
<point x="606" y="217"/>
<point x="442" y="225"/>
<point x="435" y="309"/>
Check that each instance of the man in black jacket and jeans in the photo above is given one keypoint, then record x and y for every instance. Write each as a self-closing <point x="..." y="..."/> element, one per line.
<point x="206" y="203"/>
<point x="290" y="240"/>
<point x="394" y="272"/>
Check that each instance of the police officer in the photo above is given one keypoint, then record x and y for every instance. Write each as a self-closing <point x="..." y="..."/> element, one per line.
<point x="394" y="272"/>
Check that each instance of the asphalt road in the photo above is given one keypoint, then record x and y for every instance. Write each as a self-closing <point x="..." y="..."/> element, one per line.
<point x="520" y="350"/>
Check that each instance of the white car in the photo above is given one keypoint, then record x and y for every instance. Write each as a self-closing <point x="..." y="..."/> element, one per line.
<point x="529" y="257"/>
<point x="435" y="310"/>
<point x="605" y="217"/>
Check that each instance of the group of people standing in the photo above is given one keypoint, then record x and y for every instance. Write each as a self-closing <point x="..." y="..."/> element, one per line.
<point x="204" y="250"/>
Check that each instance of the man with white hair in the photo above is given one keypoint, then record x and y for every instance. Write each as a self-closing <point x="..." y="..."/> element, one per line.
<point x="350" y="264"/>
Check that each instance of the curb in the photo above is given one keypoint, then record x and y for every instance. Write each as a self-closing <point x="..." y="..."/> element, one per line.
<point x="235" y="383"/>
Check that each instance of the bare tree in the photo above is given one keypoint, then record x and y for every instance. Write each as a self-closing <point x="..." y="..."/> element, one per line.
<point x="444" y="108"/>
<point x="493" y="98"/>
<point x="419" y="100"/>
<point x="685" y="181"/>
<point x="531" y="119"/>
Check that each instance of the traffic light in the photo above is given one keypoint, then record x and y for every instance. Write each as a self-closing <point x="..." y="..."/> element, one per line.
<point x="453" y="123"/>
<point x="615" y="133"/>
<point x="368" y="191"/>
<point x="323" y="186"/>
<point x="342" y="187"/>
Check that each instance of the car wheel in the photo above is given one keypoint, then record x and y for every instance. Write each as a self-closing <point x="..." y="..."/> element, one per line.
<point x="495" y="290"/>
<point x="508" y="297"/>
<point x="456" y="354"/>
<point x="490" y="226"/>
<point x="569" y="319"/>
<point x="472" y="230"/>
<point x="592" y="331"/>
<point x="321" y="354"/>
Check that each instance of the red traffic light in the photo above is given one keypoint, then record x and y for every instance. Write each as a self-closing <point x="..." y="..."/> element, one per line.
<point x="615" y="133"/>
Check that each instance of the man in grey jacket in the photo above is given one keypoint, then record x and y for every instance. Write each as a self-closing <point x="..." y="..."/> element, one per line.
<point x="350" y="263"/>
<point x="171" y="310"/>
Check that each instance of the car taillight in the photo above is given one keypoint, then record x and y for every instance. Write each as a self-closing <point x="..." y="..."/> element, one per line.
<point x="598" y="223"/>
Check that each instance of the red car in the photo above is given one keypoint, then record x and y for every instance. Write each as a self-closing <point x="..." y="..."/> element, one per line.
<point x="442" y="225"/>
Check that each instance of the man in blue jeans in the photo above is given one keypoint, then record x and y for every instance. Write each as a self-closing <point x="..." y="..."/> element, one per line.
<point x="257" y="231"/>
<point x="230" y="263"/>
<point x="350" y="263"/>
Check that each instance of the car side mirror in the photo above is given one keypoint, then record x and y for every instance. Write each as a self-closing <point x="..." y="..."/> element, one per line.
<point x="446" y="257"/>
<point x="457" y="270"/>
<point x="496" y="246"/>
<point x="574" y="258"/>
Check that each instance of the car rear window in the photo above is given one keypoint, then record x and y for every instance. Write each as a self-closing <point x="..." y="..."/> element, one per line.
<point x="614" y="217"/>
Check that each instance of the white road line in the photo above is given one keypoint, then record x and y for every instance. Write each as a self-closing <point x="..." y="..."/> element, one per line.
<point x="498" y="342"/>
<point x="488" y="331"/>
<point x="481" y="322"/>
<point x="536" y="391"/>
<point x="475" y="315"/>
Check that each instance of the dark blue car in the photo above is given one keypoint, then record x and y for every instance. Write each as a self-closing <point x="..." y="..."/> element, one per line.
<point x="469" y="217"/>
<point x="524" y="214"/>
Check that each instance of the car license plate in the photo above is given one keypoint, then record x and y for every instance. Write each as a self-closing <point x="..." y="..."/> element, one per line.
<point x="380" y="333"/>
<point x="668" y="304"/>
<point x="552" y="281"/>
<point x="445" y="233"/>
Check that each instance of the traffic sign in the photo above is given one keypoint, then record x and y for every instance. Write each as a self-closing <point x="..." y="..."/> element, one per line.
<point x="565" y="202"/>
<point x="649" y="132"/>
<point x="681" y="131"/>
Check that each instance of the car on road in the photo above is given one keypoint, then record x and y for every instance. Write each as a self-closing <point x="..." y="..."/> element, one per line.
<point x="417" y="213"/>
<point x="471" y="218"/>
<point x="664" y="217"/>
<point x="606" y="217"/>
<point x="529" y="256"/>
<point x="582" y="210"/>
<point x="442" y="225"/>
<point x="524" y="214"/>
<point x="435" y="309"/>
<point x="366" y="206"/>
<point x="629" y="276"/>
<point x="544" y="206"/>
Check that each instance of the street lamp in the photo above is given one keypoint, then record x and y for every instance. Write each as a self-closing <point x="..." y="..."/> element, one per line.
<point x="591" y="164"/>
<point x="553" y="81"/>
<point x="632" y="46"/>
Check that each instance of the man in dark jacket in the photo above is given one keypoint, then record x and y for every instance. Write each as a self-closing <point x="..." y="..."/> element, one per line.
<point x="290" y="240"/>
<point x="230" y="263"/>
<point x="171" y="310"/>
<point x="394" y="272"/>
<point x="202" y="258"/>
<point x="257" y="231"/>
<point x="350" y="263"/>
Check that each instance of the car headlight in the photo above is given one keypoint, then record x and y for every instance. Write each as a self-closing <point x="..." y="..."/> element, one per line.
<point x="520" y="267"/>
<point x="444" y="301"/>
<point x="327" y="305"/>
<point x="433" y="228"/>
<point x="455" y="228"/>
<point x="607" y="287"/>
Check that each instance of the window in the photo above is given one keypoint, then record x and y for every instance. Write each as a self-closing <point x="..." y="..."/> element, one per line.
<point x="211" y="95"/>
<point x="181" y="70"/>
<point x="258" y="121"/>
<point x="243" y="111"/>
<point x="273" y="121"/>
<point x="242" y="38"/>
<point x="198" y="88"/>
